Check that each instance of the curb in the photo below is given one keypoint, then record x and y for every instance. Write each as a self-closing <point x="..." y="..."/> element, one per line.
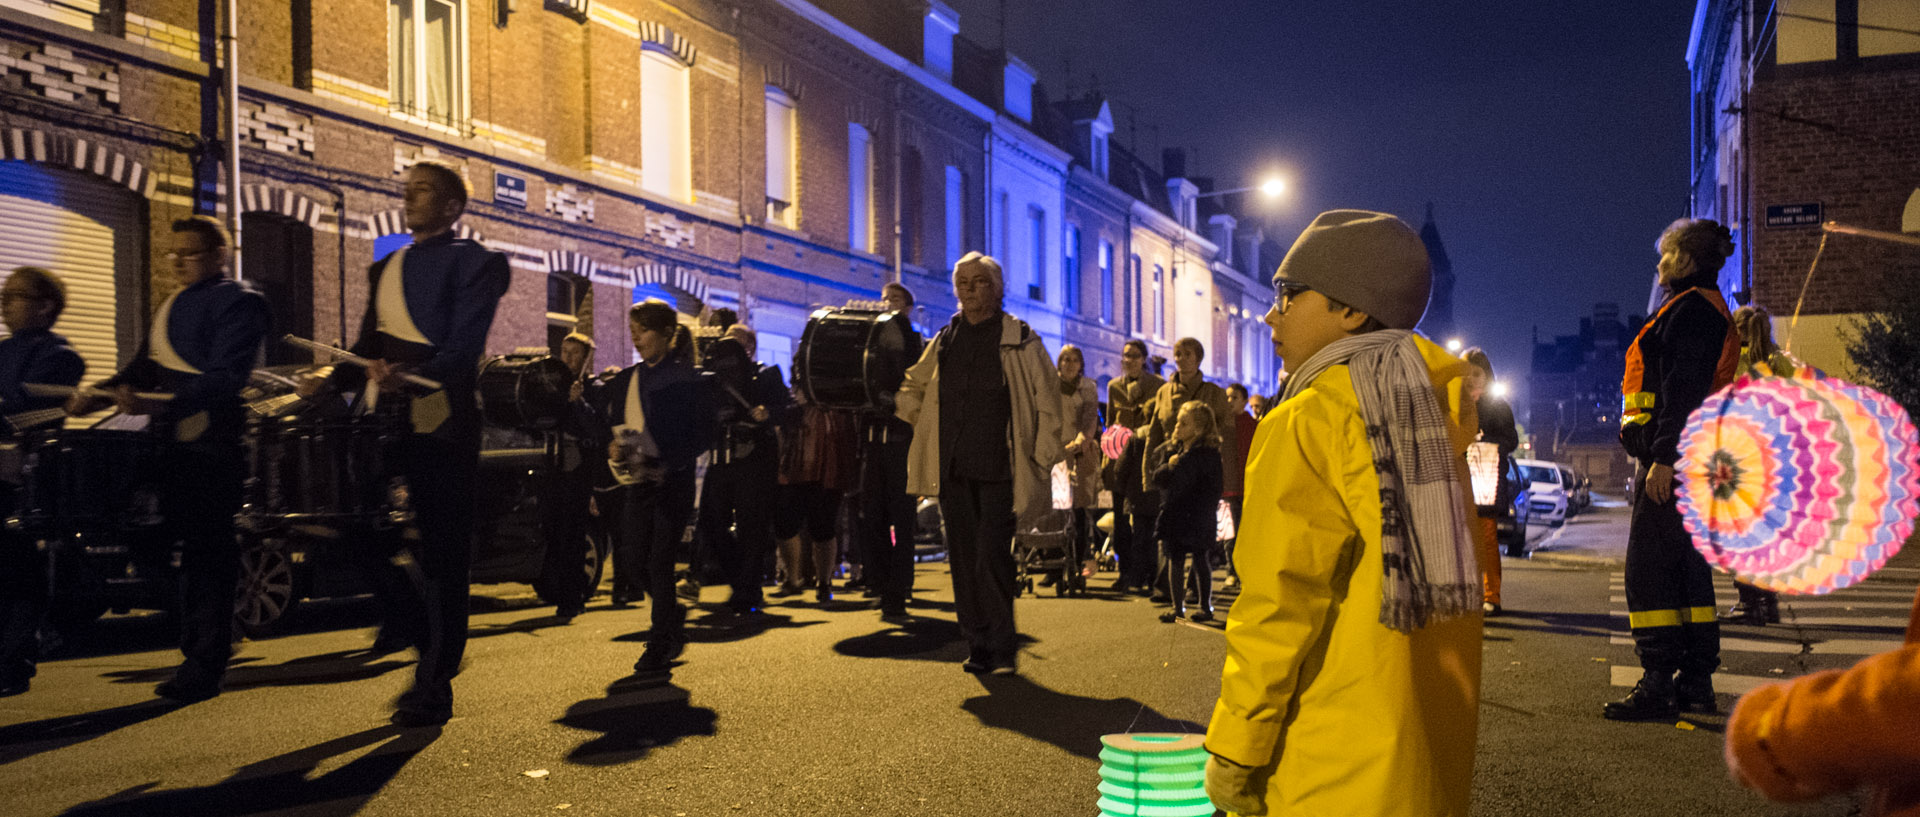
<point x="1572" y="558"/>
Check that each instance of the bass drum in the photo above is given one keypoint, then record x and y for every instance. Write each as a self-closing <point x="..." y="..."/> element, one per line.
<point x="855" y="358"/>
<point x="524" y="392"/>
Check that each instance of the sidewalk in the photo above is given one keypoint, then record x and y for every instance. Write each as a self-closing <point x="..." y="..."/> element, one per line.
<point x="1597" y="536"/>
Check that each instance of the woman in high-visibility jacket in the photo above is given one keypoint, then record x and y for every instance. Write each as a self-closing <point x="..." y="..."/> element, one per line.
<point x="1686" y="351"/>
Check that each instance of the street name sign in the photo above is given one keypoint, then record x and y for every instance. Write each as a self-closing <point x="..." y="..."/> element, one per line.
<point x="1793" y="215"/>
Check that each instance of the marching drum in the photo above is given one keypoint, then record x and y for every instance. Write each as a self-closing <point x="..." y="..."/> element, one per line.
<point x="853" y="358"/>
<point x="321" y="470"/>
<point x="90" y="479"/>
<point x="525" y="392"/>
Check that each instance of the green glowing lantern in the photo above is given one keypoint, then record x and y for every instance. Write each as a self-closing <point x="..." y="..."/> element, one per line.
<point x="1154" y="775"/>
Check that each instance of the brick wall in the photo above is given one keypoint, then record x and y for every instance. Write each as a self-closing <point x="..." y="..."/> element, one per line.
<point x="1850" y="141"/>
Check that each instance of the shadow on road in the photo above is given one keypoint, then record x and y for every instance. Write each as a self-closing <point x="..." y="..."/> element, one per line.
<point x="1585" y="624"/>
<point x="285" y="784"/>
<point x="326" y="668"/>
<point x="724" y="627"/>
<point x="639" y="714"/>
<point x="923" y="639"/>
<point x="1071" y="722"/>
<point x="24" y="740"/>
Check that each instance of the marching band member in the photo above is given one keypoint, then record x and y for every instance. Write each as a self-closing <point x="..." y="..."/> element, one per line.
<point x="202" y="347"/>
<point x="432" y="304"/>
<point x="30" y="302"/>
<point x="567" y="491"/>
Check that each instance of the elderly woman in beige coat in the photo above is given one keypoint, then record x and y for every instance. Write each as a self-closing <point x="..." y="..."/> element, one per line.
<point x="984" y="402"/>
<point x="1080" y="434"/>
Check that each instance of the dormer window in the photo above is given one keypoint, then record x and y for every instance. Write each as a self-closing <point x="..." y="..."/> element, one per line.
<point x="939" y="28"/>
<point x="1018" y="100"/>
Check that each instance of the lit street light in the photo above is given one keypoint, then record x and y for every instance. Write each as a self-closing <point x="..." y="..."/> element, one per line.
<point x="1500" y="389"/>
<point x="1453" y="345"/>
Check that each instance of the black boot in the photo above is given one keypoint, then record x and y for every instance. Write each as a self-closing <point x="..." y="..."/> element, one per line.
<point x="1739" y="613"/>
<point x="1651" y="700"/>
<point x="1766" y="608"/>
<point x="1693" y="692"/>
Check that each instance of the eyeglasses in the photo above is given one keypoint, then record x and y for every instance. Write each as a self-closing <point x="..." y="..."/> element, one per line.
<point x="1285" y="291"/>
<point x="188" y="256"/>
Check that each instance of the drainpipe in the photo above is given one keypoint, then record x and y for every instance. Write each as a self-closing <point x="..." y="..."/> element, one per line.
<point x="230" y="43"/>
<point x="899" y="230"/>
<point x="340" y="280"/>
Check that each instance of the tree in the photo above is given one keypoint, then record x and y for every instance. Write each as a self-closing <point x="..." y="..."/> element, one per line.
<point x="1886" y="345"/>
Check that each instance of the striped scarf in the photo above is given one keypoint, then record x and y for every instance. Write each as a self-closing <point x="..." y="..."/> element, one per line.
<point x="1426" y="551"/>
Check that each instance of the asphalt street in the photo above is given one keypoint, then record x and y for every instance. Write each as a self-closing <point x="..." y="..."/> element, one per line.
<point x="823" y="709"/>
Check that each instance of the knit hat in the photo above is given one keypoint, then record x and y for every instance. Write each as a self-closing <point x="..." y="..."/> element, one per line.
<point x="1370" y="261"/>
<point x="985" y="262"/>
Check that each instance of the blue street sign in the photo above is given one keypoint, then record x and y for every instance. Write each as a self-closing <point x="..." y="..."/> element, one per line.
<point x="509" y="189"/>
<point x="1793" y="215"/>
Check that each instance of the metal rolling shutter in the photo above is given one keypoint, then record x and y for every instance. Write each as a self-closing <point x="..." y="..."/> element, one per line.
<point x="72" y="226"/>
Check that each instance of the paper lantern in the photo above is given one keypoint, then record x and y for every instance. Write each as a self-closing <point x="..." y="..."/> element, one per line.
<point x="1154" y="775"/>
<point x="1483" y="465"/>
<point x="1223" y="522"/>
<point x="1113" y="443"/>
<point x="1798" y="484"/>
<point x="1062" y="487"/>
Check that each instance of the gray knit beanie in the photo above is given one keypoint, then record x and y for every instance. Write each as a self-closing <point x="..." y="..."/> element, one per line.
<point x="1370" y="261"/>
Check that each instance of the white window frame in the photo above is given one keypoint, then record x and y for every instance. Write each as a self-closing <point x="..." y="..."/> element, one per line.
<point x="1070" y="269"/>
<point x="457" y="119"/>
<point x="859" y="188"/>
<point x="1106" y="282"/>
<point x="1037" y="272"/>
<point x="76" y="13"/>
<point x="956" y="213"/>
<point x="666" y="150"/>
<point x="1159" y="302"/>
<point x="783" y="155"/>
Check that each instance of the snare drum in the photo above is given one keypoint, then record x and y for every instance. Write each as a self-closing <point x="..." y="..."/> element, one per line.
<point x="90" y="479"/>
<point x="855" y="358"/>
<point x="321" y="470"/>
<point x="524" y="392"/>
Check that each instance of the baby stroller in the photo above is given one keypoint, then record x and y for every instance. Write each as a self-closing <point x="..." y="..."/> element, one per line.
<point x="1046" y="547"/>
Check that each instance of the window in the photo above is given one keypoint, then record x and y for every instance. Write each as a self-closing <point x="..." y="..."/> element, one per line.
<point x="936" y="50"/>
<point x="1106" y="282"/>
<point x="912" y="204"/>
<point x="780" y="158"/>
<point x="859" y="188"/>
<point x="1806" y="31"/>
<point x="1135" y="320"/>
<point x="956" y="213"/>
<point x="1889" y="27"/>
<point x="1070" y="270"/>
<point x="426" y="68"/>
<point x="1159" y="303"/>
<point x="1037" y="266"/>
<point x="1003" y="215"/>
<point x="666" y="141"/>
<point x="563" y="303"/>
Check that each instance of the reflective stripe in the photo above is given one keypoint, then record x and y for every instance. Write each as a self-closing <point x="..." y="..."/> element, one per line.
<point x="1635" y="420"/>
<point x="1638" y="400"/>
<point x="1670" y="618"/>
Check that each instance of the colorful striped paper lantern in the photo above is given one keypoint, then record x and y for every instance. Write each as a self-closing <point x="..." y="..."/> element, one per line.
<point x="1154" y="775"/>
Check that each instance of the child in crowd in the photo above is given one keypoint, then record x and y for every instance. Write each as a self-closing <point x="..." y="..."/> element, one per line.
<point x="1190" y="485"/>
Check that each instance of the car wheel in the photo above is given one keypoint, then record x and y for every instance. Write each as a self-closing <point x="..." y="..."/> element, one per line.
<point x="267" y="591"/>
<point x="1516" y="545"/>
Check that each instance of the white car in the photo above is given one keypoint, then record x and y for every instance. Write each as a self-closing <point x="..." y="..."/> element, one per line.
<point x="1547" y="492"/>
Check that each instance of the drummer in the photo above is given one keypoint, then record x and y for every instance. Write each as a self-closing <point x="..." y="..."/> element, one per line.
<point x="201" y="348"/>
<point x="884" y="540"/>
<point x="568" y="489"/>
<point x="30" y="302"/>
<point x="432" y="305"/>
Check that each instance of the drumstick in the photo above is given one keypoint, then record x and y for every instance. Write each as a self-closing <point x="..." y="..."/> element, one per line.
<point x="345" y="356"/>
<point x="28" y="419"/>
<point x="275" y="377"/>
<point x="57" y="390"/>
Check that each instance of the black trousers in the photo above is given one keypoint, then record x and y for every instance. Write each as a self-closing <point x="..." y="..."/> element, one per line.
<point x="646" y="535"/>
<point x="199" y="509"/>
<point x="980" y="528"/>
<point x="441" y="476"/>
<point x="23" y="599"/>
<point x="1670" y="603"/>
<point x="563" y="526"/>
<point x="1143" y="568"/>
<point x="1201" y="552"/>
<point x="736" y="519"/>
<point x="886" y="519"/>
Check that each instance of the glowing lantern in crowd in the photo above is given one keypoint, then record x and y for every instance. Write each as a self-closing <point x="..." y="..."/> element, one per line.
<point x="1113" y="443"/>
<point x="1154" y="775"/>
<point x="1798" y="484"/>
<point x="1483" y="465"/>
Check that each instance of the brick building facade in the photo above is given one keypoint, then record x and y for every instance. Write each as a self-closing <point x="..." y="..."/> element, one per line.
<point x="765" y="155"/>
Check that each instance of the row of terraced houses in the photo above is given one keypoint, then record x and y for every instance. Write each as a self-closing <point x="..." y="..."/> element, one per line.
<point x="768" y="156"/>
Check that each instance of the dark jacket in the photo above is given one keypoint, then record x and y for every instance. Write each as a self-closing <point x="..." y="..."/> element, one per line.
<point x="1190" y="499"/>
<point x="1497" y="427"/>
<point x="216" y="326"/>
<point x="1682" y="350"/>
<point x="35" y="356"/>
<point x="676" y="404"/>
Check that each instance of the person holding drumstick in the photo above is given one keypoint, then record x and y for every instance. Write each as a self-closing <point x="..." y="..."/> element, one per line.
<point x="30" y="302"/>
<point x="201" y="349"/>
<point x="432" y="304"/>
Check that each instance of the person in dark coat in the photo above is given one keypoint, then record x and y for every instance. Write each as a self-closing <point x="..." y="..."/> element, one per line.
<point x="201" y="349"/>
<point x="430" y="307"/>
<point x="1190" y="485"/>
<point x="1497" y="427"/>
<point x="743" y="467"/>
<point x="30" y="302"/>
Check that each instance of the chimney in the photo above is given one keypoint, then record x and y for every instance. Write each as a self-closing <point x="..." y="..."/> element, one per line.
<point x="1221" y="232"/>
<point x="938" y="28"/>
<point x="1173" y="163"/>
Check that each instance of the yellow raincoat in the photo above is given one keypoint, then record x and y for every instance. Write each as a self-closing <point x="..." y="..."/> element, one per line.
<point x="1338" y="714"/>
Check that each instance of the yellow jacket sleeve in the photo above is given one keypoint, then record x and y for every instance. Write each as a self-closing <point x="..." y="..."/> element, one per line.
<point x="1294" y="553"/>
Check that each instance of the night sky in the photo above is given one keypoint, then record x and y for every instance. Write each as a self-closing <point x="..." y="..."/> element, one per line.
<point x="1551" y="138"/>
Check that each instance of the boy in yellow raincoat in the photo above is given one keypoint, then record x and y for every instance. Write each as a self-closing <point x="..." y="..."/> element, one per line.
<point x="1352" y="674"/>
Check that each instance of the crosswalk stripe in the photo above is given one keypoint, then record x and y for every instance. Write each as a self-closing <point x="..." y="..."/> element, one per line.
<point x="1626" y="676"/>
<point x="1838" y="646"/>
<point x="1813" y="603"/>
<point x="1889" y="624"/>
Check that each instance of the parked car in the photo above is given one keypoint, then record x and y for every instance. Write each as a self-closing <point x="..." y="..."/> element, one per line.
<point x="1579" y="490"/>
<point x="1548" y="494"/>
<point x="1510" y="528"/>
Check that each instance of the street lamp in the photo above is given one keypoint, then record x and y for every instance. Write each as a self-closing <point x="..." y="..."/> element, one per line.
<point x="1500" y="389"/>
<point x="1271" y="188"/>
<point x="1453" y="345"/>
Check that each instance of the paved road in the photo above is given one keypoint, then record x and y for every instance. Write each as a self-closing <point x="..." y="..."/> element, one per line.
<point x="821" y="710"/>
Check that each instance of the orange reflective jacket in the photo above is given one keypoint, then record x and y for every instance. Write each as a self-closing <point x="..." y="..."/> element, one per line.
<point x="1638" y="398"/>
